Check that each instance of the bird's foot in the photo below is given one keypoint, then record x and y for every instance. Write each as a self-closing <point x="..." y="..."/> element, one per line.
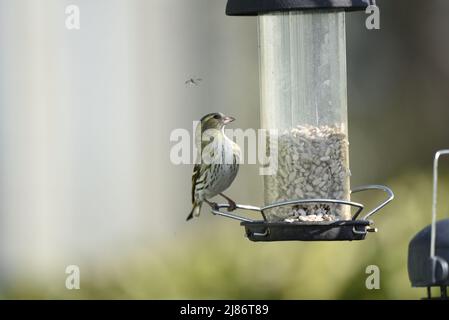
<point x="213" y="205"/>
<point x="232" y="206"/>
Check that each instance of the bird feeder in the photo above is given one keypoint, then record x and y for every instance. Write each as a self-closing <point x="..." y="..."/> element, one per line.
<point x="302" y="61"/>
<point x="428" y="252"/>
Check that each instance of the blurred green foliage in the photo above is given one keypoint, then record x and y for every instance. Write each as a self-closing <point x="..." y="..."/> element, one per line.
<point x="220" y="264"/>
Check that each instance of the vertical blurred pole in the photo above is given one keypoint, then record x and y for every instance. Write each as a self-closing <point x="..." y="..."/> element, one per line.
<point x="26" y="98"/>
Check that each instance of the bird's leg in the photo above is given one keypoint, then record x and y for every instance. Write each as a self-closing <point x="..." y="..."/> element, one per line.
<point x="232" y="204"/>
<point x="213" y="205"/>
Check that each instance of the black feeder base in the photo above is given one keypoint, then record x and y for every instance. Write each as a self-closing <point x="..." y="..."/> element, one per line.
<point x="343" y="230"/>
<point x="307" y="231"/>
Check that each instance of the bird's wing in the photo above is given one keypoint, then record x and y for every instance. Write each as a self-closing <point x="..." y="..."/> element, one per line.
<point x="195" y="176"/>
<point x="198" y="169"/>
<point x="199" y="178"/>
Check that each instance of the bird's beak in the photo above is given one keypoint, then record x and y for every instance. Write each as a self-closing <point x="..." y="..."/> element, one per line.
<point x="227" y="120"/>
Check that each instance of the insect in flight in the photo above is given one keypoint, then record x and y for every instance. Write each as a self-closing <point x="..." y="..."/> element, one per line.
<point x="193" y="82"/>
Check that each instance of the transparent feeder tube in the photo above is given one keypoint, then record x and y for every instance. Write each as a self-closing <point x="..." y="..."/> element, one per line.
<point x="303" y="96"/>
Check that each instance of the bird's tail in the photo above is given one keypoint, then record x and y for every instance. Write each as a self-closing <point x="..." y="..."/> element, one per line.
<point x="195" y="211"/>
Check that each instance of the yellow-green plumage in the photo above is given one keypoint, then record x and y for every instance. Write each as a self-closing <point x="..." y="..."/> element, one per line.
<point x="216" y="175"/>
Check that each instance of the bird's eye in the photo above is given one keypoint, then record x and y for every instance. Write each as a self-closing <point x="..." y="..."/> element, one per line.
<point x="217" y="116"/>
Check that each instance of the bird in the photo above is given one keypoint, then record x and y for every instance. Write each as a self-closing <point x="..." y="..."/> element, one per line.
<point x="219" y="165"/>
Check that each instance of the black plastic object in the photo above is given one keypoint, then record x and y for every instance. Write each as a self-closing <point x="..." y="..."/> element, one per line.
<point x="423" y="270"/>
<point x="428" y="252"/>
<point x="254" y="7"/>
<point x="307" y="231"/>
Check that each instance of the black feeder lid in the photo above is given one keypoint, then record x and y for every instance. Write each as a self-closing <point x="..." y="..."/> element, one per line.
<point x="254" y="7"/>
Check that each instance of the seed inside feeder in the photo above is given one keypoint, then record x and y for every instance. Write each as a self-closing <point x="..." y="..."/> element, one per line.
<point x="312" y="164"/>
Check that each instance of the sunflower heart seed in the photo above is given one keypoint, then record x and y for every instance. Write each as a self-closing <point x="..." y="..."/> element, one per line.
<point x="312" y="163"/>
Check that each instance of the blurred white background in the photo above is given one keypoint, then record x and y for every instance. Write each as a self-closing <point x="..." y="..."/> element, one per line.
<point x="85" y="119"/>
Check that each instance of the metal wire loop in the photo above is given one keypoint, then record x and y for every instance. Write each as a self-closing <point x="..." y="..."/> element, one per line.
<point x="359" y="206"/>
